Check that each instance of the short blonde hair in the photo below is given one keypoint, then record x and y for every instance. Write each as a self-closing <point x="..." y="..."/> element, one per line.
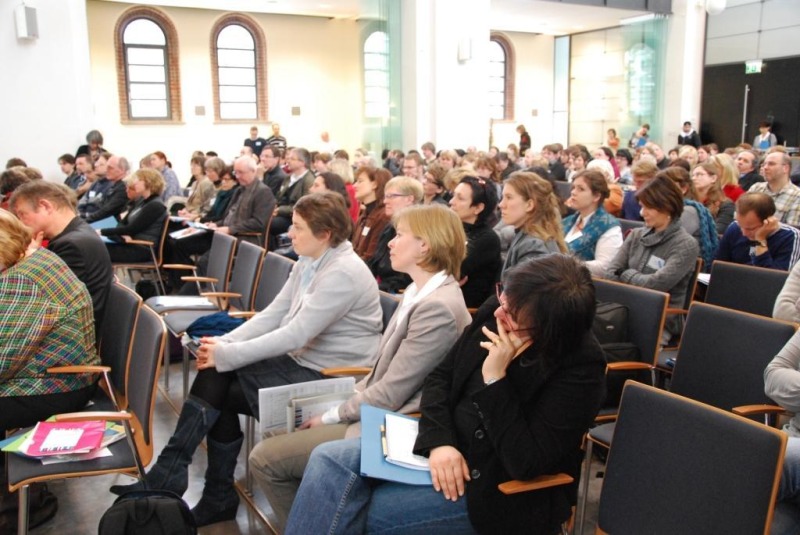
<point x="152" y="180"/>
<point x="343" y="169"/>
<point x="14" y="239"/>
<point x="407" y="186"/>
<point x="439" y="227"/>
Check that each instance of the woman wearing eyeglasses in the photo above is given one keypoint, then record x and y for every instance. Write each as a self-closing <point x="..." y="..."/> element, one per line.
<point x="474" y="200"/>
<point x="511" y="400"/>
<point x="530" y="206"/>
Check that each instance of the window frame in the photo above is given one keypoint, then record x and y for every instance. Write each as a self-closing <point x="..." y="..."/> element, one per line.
<point x="260" y="66"/>
<point x="365" y="70"/>
<point x="509" y="75"/>
<point x="171" y="67"/>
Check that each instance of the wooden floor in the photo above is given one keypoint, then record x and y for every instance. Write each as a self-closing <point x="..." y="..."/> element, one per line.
<point x="83" y="501"/>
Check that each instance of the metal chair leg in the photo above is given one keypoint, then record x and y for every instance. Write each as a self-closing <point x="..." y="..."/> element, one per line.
<point x="584" y="494"/>
<point x="22" y="513"/>
<point x="249" y="438"/>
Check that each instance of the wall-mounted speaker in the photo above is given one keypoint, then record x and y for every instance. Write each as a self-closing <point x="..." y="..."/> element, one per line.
<point x="27" y="27"/>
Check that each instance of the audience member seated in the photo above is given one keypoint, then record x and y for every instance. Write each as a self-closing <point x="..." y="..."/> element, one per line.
<point x="85" y="166"/>
<point x="747" y="164"/>
<point x="624" y="160"/>
<point x="222" y="177"/>
<point x="172" y="186"/>
<point x="67" y="164"/>
<point x="787" y="304"/>
<point x="696" y="219"/>
<point x="429" y="248"/>
<point x="786" y="195"/>
<point x="399" y="193"/>
<point x="757" y="238"/>
<point x="342" y="168"/>
<point x="592" y="234"/>
<point x="531" y="208"/>
<point x="707" y="186"/>
<point x="474" y="201"/>
<point x="94" y="145"/>
<point x="518" y="412"/>
<point x="294" y="186"/>
<point x="144" y="221"/>
<point x="578" y="159"/>
<point x="728" y="175"/>
<point x="10" y="180"/>
<point x="661" y="255"/>
<point x="99" y="187"/>
<point x="613" y="202"/>
<point x="433" y="185"/>
<point x="107" y="197"/>
<point x="48" y="209"/>
<point x="552" y="153"/>
<point x="370" y="184"/>
<point x="642" y="172"/>
<point x="324" y="316"/>
<point x="328" y="181"/>
<point x="201" y="191"/>
<point x="269" y="169"/>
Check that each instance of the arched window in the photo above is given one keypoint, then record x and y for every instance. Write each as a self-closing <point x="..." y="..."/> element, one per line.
<point x="240" y="88"/>
<point x="501" y="78"/>
<point x="146" y="46"/>
<point x="376" y="75"/>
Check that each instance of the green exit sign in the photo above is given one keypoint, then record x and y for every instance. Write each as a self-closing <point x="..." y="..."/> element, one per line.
<point x="753" y="66"/>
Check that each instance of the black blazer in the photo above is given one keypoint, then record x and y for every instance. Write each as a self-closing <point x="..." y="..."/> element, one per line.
<point x="525" y="425"/>
<point x="142" y="222"/>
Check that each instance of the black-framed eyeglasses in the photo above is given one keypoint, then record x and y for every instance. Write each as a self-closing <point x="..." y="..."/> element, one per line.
<point x="395" y="195"/>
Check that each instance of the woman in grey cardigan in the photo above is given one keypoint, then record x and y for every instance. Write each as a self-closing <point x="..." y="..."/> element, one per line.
<point x="429" y="247"/>
<point x="531" y="207"/>
<point x="661" y="255"/>
<point x="324" y="316"/>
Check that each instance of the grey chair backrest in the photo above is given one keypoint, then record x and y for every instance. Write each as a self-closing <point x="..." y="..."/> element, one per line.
<point x="675" y="460"/>
<point x="145" y="363"/>
<point x="220" y="261"/>
<point x="562" y="189"/>
<point x="389" y="304"/>
<point x="627" y="225"/>
<point x="745" y="288"/>
<point x="646" y="313"/>
<point x="245" y="275"/>
<point x="723" y="354"/>
<point x="274" y="274"/>
<point x="119" y="324"/>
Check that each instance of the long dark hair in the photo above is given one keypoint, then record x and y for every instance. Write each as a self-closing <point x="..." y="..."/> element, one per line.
<point x="483" y="192"/>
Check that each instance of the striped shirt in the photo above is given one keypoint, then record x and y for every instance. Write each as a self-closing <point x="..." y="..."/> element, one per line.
<point x="45" y="321"/>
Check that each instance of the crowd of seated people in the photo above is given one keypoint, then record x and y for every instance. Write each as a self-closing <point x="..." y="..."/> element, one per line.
<point x="491" y="218"/>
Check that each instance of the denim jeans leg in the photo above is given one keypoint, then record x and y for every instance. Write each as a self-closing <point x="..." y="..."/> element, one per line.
<point x="333" y="497"/>
<point x="786" y="519"/>
<point x="397" y="509"/>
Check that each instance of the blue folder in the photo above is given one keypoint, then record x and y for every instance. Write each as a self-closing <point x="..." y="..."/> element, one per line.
<point x="108" y="222"/>
<point x="373" y="463"/>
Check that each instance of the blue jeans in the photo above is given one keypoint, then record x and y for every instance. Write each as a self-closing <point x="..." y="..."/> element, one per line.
<point x="786" y="520"/>
<point x="335" y="499"/>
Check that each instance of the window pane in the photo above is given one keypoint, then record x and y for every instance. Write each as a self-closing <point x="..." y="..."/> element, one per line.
<point x="377" y="42"/>
<point x="236" y="58"/>
<point x="497" y="99"/>
<point x="145" y="56"/>
<point x="231" y="76"/>
<point x="237" y="111"/>
<point x="143" y="32"/>
<point x="237" y="93"/>
<point x="376" y="62"/>
<point x="496" y="52"/>
<point x="148" y="91"/>
<point x="497" y="84"/>
<point x="144" y="109"/>
<point x="376" y="94"/>
<point x="497" y="69"/>
<point x="138" y="73"/>
<point x="376" y="78"/>
<point x="235" y="36"/>
<point x="497" y="112"/>
<point x="375" y="109"/>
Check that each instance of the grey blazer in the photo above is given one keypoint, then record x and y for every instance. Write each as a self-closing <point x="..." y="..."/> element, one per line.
<point x="527" y="247"/>
<point x="409" y="351"/>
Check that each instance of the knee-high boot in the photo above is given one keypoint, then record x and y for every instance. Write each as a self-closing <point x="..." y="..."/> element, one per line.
<point x="220" y="500"/>
<point x="171" y="471"/>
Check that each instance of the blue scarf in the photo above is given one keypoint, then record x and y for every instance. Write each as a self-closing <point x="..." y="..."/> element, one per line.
<point x="708" y="233"/>
<point x="584" y="246"/>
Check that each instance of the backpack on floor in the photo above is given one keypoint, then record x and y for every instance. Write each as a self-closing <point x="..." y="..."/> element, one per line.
<point x="148" y="512"/>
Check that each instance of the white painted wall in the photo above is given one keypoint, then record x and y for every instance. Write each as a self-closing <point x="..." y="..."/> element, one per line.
<point x="44" y="104"/>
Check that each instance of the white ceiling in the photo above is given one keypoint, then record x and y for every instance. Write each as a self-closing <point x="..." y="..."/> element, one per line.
<point x="531" y="16"/>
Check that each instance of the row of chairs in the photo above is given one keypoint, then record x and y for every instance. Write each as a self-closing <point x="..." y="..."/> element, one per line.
<point x="131" y="349"/>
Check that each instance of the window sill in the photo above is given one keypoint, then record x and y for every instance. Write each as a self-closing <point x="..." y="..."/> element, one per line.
<point x="151" y="122"/>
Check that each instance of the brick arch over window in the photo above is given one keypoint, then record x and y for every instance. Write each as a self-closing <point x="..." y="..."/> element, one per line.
<point x="509" y="75"/>
<point x="260" y="64"/>
<point x="173" y="72"/>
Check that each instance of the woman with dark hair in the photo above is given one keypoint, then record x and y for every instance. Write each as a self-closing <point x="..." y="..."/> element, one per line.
<point x="511" y="400"/>
<point x="661" y="255"/>
<point x="201" y="191"/>
<point x="370" y="183"/>
<point x="612" y="140"/>
<point x="604" y="153"/>
<point x="524" y="139"/>
<point x="592" y="234"/>
<point x="172" y="187"/>
<point x="324" y="316"/>
<point x="579" y="158"/>
<point x="624" y="160"/>
<point x="433" y="186"/>
<point x="530" y="206"/>
<point x="474" y="201"/>
<point x="328" y="181"/>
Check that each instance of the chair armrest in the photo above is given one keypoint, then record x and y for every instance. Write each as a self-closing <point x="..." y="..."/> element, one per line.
<point x="140" y="242"/>
<point x="680" y="311"/>
<point x="105" y="416"/>
<point x="249" y="233"/>
<point x="79" y="369"/>
<point x="221" y="294"/>
<point x="472" y="311"/>
<point x="346" y="371"/>
<point x="241" y="314"/>
<point x="537" y="483"/>
<point x="192" y="278"/>
<point x="190" y="267"/>
<point x="628" y="366"/>
<point x="752" y="410"/>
